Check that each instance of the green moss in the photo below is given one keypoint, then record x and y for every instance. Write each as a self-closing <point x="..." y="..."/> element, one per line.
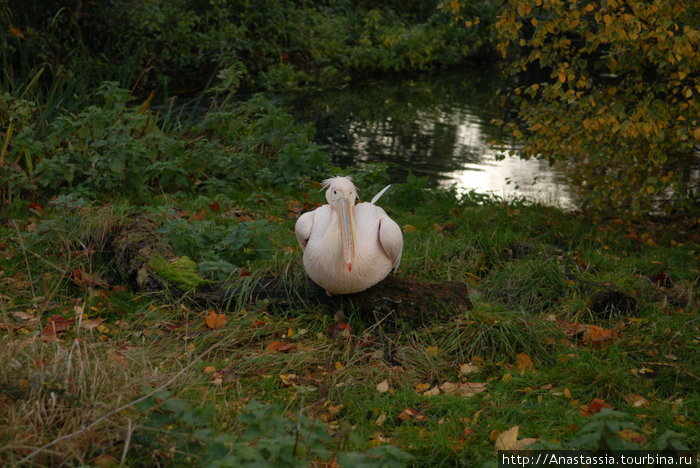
<point x="181" y="272"/>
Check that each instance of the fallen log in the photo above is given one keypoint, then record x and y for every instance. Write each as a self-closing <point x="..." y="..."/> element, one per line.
<point x="150" y="265"/>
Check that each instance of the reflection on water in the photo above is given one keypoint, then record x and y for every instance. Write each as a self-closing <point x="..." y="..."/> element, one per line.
<point x="439" y="127"/>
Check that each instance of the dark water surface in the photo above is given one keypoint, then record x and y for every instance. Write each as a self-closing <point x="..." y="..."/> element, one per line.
<point x="438" y="126"/>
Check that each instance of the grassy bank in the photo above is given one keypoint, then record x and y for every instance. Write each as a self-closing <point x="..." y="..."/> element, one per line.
<point x="537" y="351"/>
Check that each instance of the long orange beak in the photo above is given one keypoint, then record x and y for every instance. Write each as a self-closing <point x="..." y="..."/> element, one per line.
<point x="347" y="229"/>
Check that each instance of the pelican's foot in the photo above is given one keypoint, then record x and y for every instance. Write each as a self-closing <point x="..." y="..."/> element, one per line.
<point x="328" y="293"/>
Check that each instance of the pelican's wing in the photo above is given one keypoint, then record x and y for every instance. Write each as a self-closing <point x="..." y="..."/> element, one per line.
<point x="303" y="228"/>
<point x="391" y="239"/>
<point x="381" y="192"/>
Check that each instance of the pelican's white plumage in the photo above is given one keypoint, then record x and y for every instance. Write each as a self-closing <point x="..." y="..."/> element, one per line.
<point x="348" y="247"/>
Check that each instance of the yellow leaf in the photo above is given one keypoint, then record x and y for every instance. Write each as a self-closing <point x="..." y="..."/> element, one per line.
<point x="607" y="19"/>
<point x="508" y="440"/>
<point x="696" y="134"/>
<point x="432" y="351"/>
<point x="338" y="365"/>
<point x="507" y="377"/>
<point x="432" y="392"/>
<point x="650" y="189"/>
<point x="209" y="370"/>
<point x="380" y="420"/>
<point x="215" y="320"/>
<point x="533" y="21"/>
<point x="567" y="393"/>
<point x="288" y="379"/>
<point x="290" y="333"/>
<point x="421" y="387"/>
<point x="383" y="386"/>
<point x="562" y="77"/>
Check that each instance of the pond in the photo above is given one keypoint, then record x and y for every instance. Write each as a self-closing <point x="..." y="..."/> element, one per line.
<point x="438" y="126"/>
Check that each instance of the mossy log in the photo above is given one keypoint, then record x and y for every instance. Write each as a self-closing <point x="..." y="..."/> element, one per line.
<point x="140" y="253"/>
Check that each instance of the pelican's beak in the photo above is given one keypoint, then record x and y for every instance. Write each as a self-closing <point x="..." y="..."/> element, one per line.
<point x="343" y="206"/>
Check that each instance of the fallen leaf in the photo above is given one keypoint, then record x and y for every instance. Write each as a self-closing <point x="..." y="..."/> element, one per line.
<point x="463" y="389"/>
<point x="432" y="392"/>
<point x="466" y="369"/>
<point x="55" y="325"/>
<point x="410" y="414"/>
<point x="280" y="347"/>
<point x="598" y="337"/>
<point x="472" y="388"/>
<point x="432" y="351"/>
<point x="594" y="406"/>
<point x="421" y="387"/>
<point x="523" y="363"/>
<point x="215" y="320"/>
<point x="288" y="379"/>
<point x="91" y="324"/>
<point x="380" y="420"/>
<point x="117" y="357"/>
<point x="632" y="436"/>
<point x="338" y="365"/>
<point x="24" y="316"/>
<point x="507" y="377"/>
<point x="383" y="386"/>
<point x="637" y="401"/>
<point x="409" y="228"/>
<point x="209" y="370"/>
<point x="508" y="440"/>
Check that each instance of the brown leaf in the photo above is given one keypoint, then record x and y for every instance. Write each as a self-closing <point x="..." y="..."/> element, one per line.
<point x="465" y="369"/>
<point x="598" y="337"/>
<point x="472" y="388"/>
<point x="84" y="279"/>
<point x="56" y="324"/>
<point x="410" y="414"/>
<point x="215" y="320"/>
<point x="117" y="357"/>
<point x="280" y="347"/>
<point x="463" y="389"/>
<point x="91" y="324"/>
<point x="637" y="401"/>
<point x="594" y="406"/>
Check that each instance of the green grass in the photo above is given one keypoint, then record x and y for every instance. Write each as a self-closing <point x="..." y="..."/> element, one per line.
<point x="53" y="388"/>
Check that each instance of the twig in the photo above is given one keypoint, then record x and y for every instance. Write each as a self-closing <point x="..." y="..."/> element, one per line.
<point x="121" y="408"/>
<point x="675" y="366"/>
<point x="127" y="441"/>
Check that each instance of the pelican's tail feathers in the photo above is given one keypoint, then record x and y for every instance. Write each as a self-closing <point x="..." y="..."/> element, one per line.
<point x="381" y="192"/>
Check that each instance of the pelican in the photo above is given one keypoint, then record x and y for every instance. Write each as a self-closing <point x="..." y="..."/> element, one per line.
<point x="348" y="247"/>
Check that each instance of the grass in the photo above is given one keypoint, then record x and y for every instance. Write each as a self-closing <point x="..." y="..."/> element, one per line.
<point x="71" y="395"/>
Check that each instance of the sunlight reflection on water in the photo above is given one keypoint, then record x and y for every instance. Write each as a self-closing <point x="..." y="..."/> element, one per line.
<point x="439" y="128"/>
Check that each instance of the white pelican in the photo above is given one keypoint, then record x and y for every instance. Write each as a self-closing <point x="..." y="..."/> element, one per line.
<point x="347" y="247"/>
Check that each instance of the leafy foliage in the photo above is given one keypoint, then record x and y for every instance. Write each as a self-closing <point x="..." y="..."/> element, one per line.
<point x="269" y="438"/>
<point x="113" y="147"/>
<point x="217" y="247"/>
<point x="615" y="93"/>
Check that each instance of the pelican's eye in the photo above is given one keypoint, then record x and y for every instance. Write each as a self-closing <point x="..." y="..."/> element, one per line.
<point x="335" y="192"/>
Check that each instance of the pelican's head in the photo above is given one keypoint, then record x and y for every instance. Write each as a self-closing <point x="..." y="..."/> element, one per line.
<point x="341" y="195"/>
